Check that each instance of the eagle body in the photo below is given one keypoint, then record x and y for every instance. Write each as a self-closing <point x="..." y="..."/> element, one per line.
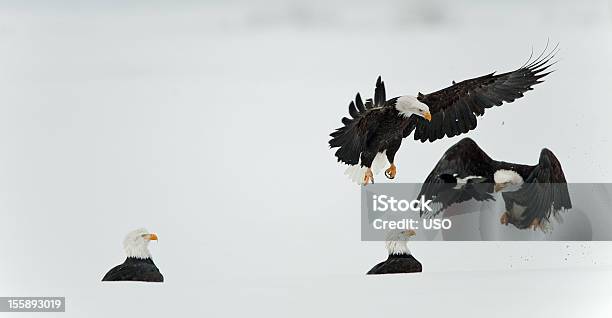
<point x="378" y="126"/>
<point x="399" y="259"/>
<point x="531" y="193"/>
<point x="387" y="139"/>
<point x="135" y="269"/>
<point x="545" y="192"/>
<point x="138" y="266"/>
<point x="396" y="264"/>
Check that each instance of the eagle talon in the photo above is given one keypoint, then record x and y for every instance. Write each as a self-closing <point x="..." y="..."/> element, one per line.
<point x="535" y="224"/>
<point x="369" y="177"/>
<point x="391" y="172"/>
<point x="505" y="218"/>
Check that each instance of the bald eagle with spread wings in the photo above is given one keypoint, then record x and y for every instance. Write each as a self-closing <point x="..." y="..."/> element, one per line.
<point x="532" y="194"/>
<point x="371" y="137"/>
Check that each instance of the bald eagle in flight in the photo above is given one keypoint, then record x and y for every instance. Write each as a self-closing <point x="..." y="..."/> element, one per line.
<point x="138" y="265"/>
<point x="373" y="134"/>
<point x="400" y="260"/>
<point x="532" y="194"/>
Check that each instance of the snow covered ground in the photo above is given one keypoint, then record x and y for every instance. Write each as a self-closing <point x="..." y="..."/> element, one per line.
<point x="207" y="123"/>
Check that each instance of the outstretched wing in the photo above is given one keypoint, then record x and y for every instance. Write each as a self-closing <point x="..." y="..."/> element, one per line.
<point x="544" y="192"/>
<point x="351" y="139"/>
<point x="463" y="159"/>
<point x="464" y="172"/>
<point x="454" y="109"/>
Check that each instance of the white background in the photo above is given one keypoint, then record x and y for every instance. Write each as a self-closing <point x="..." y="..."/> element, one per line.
<point x="208" y="124"/>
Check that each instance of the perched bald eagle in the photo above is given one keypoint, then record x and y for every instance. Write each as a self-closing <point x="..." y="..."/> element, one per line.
<point x="373" y="134"/>
<point x="532" y="194"/>
<point x="138" y="265"/>
<point x="399" y="260"/>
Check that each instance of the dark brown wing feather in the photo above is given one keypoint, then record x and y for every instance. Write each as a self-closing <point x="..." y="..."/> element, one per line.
<point x="351" y="139"/>
<point x="454" y="109"/>
<point x="544" y="192"/>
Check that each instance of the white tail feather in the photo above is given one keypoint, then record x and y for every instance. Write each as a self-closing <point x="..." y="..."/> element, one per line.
<point x="357" y="173"/>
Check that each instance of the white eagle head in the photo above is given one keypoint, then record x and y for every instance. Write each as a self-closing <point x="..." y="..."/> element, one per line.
<point x="397" y="241"/>
<point x="136" y="243"/>
<point x="507" y="180"/>
<point x="409" y="105"/>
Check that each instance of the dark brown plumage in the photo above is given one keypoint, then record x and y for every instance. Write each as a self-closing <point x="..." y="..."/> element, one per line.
<point x="466" y="172"/>
<point x="396" y="264"/>
<point x="454" y="109"/>
<point x="135" y="269"/>
<point x="377" y="125"/>
<point x="544" y="193"/>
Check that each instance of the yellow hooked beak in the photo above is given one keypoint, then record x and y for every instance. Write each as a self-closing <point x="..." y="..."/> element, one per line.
<point x="151" y="237"/>
<point x="410" y="233"/>
<point x="498" y="187"/>
<point x="427" y="115"/>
